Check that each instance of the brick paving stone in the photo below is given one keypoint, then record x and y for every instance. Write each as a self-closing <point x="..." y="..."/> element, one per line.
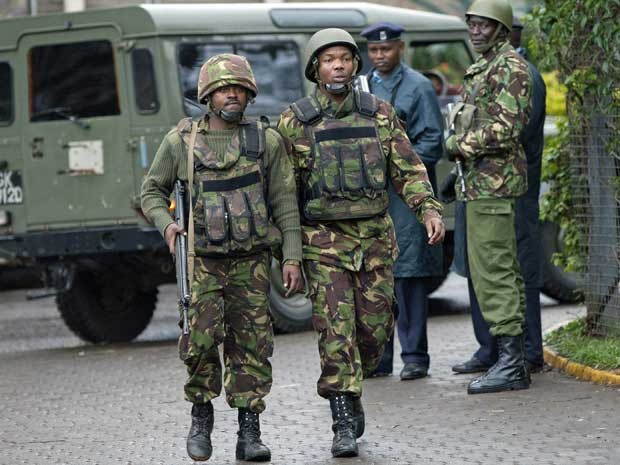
<point x="122" y="405"/>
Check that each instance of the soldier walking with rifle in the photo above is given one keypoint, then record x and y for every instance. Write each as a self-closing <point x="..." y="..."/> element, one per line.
<point x="235" y="180"/>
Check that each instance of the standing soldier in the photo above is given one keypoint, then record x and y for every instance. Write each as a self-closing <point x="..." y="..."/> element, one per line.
<point x="239" y="171"/>
<point x="529" y="247"/>
<point x="346" y="144"/>
<point x="414" y="99"/>
<point x="495" y="109"/>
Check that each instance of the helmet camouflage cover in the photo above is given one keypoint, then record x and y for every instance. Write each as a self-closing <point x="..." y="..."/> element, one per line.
<point x="498" y="10"/>
<point x="328" y="38"/>
<point x="224" y="70"/>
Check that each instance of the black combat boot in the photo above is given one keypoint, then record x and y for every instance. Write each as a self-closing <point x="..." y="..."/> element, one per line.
<point x="249" y="445"/>
<point x="199" y="437"/>
<point x="344" y="444"/>
<point x="508" y="373"/>
<point x="358" y="417"/>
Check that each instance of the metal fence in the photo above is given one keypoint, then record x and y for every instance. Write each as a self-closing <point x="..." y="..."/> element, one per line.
<point x="595" y="168"/>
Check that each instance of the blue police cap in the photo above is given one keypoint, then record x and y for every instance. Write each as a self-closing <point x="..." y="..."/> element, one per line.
<point x="382" y="32"/>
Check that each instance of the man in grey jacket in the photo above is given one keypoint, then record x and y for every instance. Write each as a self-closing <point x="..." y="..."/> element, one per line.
<point x="414" y="99"/>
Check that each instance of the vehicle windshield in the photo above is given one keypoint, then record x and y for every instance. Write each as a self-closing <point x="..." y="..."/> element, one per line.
<point x="275" y="65"/>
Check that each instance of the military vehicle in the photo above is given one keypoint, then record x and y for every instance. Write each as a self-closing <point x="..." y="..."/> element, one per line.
<point x="85" y="100"/>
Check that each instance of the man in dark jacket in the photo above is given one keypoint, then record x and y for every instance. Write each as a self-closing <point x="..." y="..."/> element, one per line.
<point x="414" y="99"/>
<point x="529" y="247"/>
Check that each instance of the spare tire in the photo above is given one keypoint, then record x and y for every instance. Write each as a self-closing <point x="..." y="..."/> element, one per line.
<point x="448" y="254"/>
<point x="290" y="314"/>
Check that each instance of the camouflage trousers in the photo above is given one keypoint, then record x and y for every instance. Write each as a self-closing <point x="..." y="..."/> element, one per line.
<point x="229" y="307"/>
<point x="352" y="313"/>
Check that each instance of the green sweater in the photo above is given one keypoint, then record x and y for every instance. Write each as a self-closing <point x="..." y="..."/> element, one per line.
<point x="170" y="163"/>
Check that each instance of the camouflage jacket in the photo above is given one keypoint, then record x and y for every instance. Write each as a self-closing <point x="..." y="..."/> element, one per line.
<point x="499" y="85"/>
<point x="367" y="243"/>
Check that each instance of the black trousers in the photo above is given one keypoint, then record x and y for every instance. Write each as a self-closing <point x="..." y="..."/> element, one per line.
<point x="411" y="312"/>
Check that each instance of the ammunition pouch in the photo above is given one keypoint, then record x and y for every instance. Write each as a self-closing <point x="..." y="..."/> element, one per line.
<point x="231" y="217"/>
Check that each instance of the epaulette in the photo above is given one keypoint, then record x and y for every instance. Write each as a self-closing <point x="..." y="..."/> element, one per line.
<point x="185" y="125"/>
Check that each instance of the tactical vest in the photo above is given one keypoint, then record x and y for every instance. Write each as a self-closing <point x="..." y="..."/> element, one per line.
<point x="346" y="176"/>
<point x="231" y="217"/>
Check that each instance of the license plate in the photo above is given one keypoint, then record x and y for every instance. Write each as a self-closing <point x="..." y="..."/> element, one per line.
<point x="11" y="188"/>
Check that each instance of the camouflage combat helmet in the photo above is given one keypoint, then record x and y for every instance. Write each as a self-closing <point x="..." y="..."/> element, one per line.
<point x="328" y="38"/>
<point x="498" y="10"/>
<point x="224" y="70"/>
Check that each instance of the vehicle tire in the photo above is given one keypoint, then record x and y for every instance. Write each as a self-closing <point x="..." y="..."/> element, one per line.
<point x="558" y="284"/>
<point x="448" y="254"/>
<point x="102" y="309"/>
<point x="290" y="314"/>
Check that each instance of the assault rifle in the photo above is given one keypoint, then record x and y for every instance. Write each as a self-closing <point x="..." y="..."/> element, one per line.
<point x="180" y="250"/>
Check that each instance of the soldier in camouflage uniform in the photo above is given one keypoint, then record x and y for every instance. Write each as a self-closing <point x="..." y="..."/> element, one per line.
<point x="487" y="125"/>
<point x="240" y="171"/>
<point x="345" y="145"/>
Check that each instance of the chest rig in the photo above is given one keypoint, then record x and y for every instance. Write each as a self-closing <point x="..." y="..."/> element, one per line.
<point x="228" y="193"/>
<point x="345" y="177"/>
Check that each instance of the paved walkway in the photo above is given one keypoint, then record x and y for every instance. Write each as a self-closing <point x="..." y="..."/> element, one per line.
<point x="122" y="405"/>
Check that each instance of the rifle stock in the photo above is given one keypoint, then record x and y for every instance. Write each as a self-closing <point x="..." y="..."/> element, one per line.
<point x="180" y="250"/>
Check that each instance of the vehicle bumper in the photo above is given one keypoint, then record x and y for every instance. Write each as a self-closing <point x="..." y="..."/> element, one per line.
<point x="90" y="241"/>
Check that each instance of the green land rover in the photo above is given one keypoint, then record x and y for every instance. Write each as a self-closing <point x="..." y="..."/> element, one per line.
<point x="85" y="100"/>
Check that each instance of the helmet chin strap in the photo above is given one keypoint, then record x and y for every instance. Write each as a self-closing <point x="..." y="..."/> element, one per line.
<point x="337" y="89"/>
<point x="228" y="116"/>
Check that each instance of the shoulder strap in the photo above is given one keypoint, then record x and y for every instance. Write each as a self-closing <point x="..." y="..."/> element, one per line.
<point x="191" y="254"/>
<point x="306" y="111"/>
<point x="185" y="125"/>
<point x="253" y="139"/>
<point x="366" y="104"/>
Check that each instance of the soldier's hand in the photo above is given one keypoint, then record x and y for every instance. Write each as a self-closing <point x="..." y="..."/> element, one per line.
<point x="435" y="229"/>
<point x="452" y="148"/>
<point x="170" y="235"/>
<point x="292" y="279"/>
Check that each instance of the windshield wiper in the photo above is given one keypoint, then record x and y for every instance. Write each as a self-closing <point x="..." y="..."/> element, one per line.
<point x="63" y="112"/>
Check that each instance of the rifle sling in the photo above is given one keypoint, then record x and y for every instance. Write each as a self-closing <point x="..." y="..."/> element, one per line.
<point x="191" y="254"/>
